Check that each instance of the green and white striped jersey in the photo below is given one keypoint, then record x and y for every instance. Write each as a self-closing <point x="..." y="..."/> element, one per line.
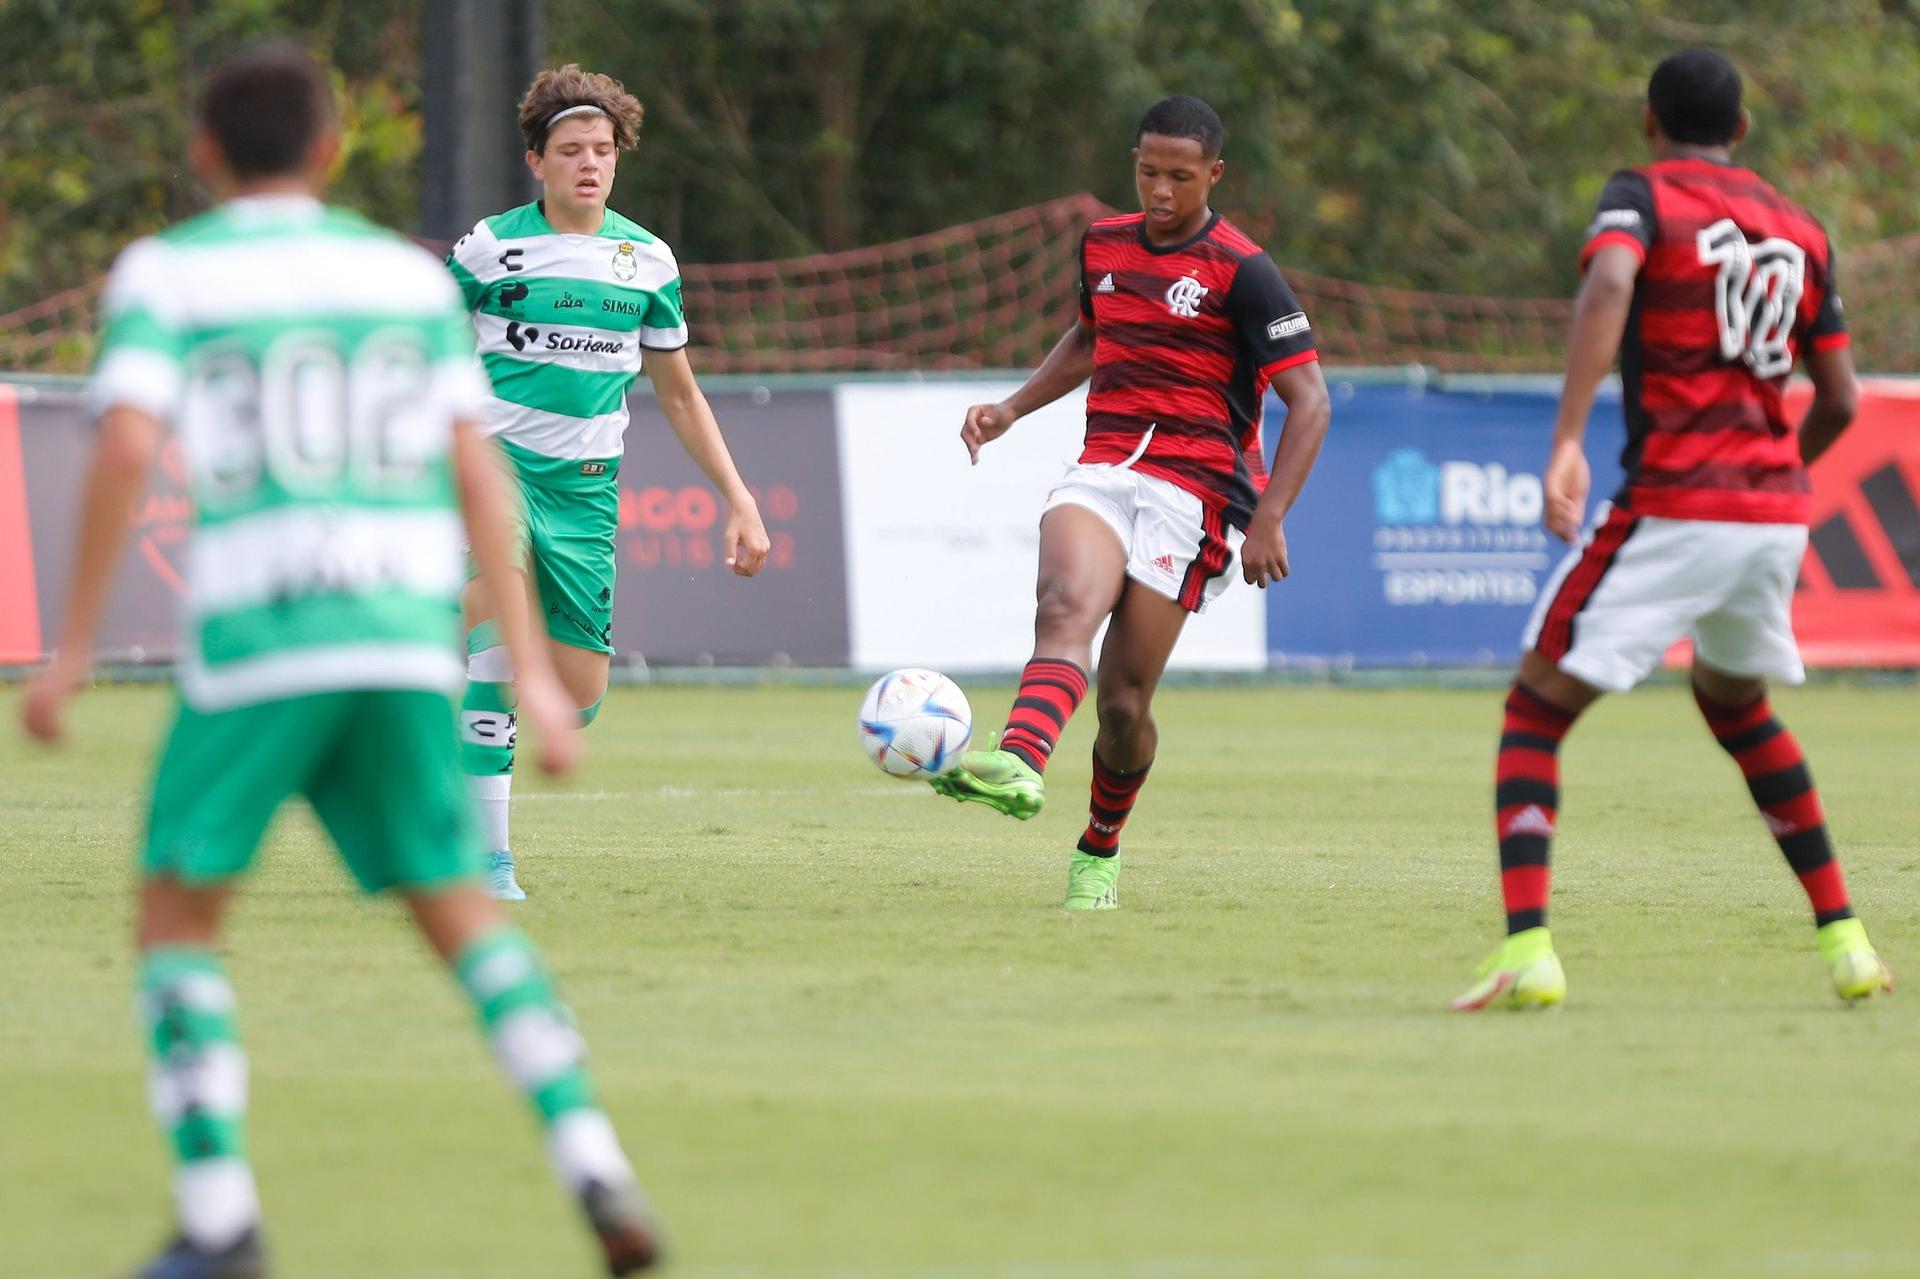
<point x="313" y="366"/>
<point x="562" y="321"/>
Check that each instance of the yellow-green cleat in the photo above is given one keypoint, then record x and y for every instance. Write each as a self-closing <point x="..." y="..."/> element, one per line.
<point x="1858" y="971"/>
<point x="1523" y="973"/>
<point x="999" y="779"/>
<point x="1092" y="882"/>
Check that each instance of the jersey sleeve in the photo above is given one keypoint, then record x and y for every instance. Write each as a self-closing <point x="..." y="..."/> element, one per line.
<point x="664" y="327"/>
<point x="1623" y="216"/>
<point x="1268" y="318"/>
<point x="141" y="359"/>
<point x="470" y="261"/>
<point x="1828" y="329"/>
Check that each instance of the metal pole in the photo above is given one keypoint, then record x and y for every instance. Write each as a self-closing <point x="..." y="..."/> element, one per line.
<point x="477" y="58"/>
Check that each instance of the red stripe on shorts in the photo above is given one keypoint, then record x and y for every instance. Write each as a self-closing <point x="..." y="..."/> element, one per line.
<point x="1556" y="633"/>
<point x="1209" y="562"/>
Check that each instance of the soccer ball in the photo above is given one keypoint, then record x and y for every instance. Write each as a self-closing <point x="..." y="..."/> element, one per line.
<point x="915" y="723"/>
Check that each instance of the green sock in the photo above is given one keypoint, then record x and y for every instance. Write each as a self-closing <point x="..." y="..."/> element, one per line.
<point x="487" y="725"/>
<point x="536" y="1043"/>
<point x="487" y="732"/>
<point x="198" y="1089"/>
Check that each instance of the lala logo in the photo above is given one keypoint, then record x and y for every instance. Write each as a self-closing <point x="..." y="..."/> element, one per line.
<point x="625" y="265"/>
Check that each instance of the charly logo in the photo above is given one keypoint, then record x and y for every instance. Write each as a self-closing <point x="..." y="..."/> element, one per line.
<point x="625" y="265"/>
<point x="1183" y="297"/>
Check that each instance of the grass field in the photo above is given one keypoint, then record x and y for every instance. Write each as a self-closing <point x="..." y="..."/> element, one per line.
<point x="848" y="1033"/>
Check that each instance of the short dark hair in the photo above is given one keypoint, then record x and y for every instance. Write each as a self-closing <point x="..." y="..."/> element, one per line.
<point x="265" y="106"/>
<point x="1181" y="116"/>
<point x="1695" y="94"/>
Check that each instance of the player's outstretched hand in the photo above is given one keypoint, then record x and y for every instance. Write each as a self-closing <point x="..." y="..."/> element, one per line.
<point x="1263" y="556"/>
<point x="43" y="711"/>
<point x="985" y="423"/>
<point x="1567" y="481"/>
<point x="745" y="540"/>
<point x="545" y="706"/>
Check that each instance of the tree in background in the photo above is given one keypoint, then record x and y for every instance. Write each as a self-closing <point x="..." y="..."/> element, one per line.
<point x="1446" y="144"/>
<point x="1454" y="145"/>
<point x="95" y="101"/>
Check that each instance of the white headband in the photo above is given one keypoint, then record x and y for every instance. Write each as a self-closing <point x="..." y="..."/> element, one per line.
<point x="582" y="109"/>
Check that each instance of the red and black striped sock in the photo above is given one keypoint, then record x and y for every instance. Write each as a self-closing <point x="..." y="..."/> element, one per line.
<point x="1777" y="778"/>
<point x="1050" y="689"/>
<point x="1527" y="802"/>
<point x="1113" y="796"/>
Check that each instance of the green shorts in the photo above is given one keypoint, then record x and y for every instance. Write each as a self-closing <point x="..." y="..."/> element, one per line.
<point x="567" y="518"/>
<point x="380" y="767"/>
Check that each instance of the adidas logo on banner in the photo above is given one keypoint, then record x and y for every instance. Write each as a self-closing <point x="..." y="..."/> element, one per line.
<point x="1531" y="820"/>
<point x="1105" y="285"/>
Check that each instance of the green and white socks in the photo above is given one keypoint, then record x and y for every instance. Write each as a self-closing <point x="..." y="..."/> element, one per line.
<point x="488" y="732"/>
<point x="198" y="1090"/>
<point x="536" y="1043"/>
<point x="198" y="1083"/>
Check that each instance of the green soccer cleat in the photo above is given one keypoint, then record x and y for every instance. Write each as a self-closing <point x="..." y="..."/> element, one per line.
<point x="1857" y="969"/>
<point x="999" y="779"/>
<point x="501" y="885"/>
<point x="1523" y="973"/>
<point x="1092" y="882"/>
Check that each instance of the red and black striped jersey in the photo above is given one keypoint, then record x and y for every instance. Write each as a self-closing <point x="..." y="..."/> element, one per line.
<point x="1735" y="281"/>
<point x="1186" y="337"/>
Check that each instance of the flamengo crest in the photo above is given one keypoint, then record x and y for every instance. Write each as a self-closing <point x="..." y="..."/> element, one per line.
<point x="1183" y="297"/>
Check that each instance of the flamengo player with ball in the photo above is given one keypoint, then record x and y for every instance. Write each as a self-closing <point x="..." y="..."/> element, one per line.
<point x="1183" y="324"/>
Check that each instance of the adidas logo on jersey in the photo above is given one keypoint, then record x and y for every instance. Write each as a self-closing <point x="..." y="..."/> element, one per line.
<point x="1105" y="285"/>
<point x="1531" y="820"/>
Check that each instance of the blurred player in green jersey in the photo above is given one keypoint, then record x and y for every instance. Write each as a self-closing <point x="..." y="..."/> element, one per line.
<point x="320" y="374"/>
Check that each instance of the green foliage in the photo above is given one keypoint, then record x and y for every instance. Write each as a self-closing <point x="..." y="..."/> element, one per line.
<point x="1445" y="144"/>
<point x="1428" y="143"/>
<point x="96" y="102"/>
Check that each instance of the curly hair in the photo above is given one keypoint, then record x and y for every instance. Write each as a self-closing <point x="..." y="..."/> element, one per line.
<point x="555" y="91"/>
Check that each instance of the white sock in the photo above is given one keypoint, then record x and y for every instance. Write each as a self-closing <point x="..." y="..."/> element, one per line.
<point x="490" y="795"/>
<point x="583" y="1148"/>
<point x="216" y="1201"/>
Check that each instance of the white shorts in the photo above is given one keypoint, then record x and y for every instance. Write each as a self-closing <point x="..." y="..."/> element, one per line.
<point x="1636" y="584"/>
<point x="1175" y="544"/>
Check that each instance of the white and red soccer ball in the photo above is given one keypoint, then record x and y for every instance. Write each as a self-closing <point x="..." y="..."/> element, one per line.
<point x="914" y="723"/>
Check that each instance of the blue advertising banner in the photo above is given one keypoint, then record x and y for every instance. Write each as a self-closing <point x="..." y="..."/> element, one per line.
<point x="1418" y="540"/>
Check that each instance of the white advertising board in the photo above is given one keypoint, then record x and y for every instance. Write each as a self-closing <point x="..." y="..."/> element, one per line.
<point x="941" y="555"/>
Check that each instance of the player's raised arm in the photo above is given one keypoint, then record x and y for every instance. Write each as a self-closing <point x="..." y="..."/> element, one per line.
<point x="1068" y="365"/>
